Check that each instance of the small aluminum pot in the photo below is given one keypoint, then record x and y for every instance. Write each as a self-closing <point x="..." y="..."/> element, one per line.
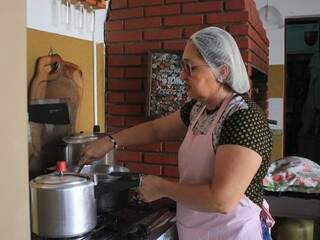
<point x="62" y="206"/>
<point x="71" y="147"/>
<point x="74" y="145"/>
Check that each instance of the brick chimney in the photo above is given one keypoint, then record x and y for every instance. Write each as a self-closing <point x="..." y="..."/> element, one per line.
<point x="135" y="26"/>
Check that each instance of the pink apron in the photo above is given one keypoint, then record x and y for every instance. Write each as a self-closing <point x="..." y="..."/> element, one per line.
<point x="196" y="157"/>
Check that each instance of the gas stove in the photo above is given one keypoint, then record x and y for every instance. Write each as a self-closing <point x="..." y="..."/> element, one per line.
<point x="137" y="221"/>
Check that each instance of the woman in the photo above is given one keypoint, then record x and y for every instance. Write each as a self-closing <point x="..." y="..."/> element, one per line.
<point x="224" y="155"/>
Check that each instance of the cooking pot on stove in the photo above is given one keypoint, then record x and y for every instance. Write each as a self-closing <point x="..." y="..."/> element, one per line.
<point x="63" y="205"/>
<point x="73" y="145"/>
<point x="114" y="182"/>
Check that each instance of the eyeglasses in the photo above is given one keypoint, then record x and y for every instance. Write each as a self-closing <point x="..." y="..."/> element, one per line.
<point x="188" y="67"/>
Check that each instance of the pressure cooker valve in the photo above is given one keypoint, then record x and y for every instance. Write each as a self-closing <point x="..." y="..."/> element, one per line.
<point x="61" y="166"/>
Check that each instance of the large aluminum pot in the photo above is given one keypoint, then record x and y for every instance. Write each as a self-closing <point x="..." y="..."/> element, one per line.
<point x="74" y="145"/>
<point x="62" y="206"/>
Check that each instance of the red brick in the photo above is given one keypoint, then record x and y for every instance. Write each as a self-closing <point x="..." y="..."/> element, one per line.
<point x="152" y="169"/>
<point x="134" y="72"/>
<point x="170" y="171"/>
<point x="155" y="147"/>
<point x="183" y="20"/>
<point x="178" y="1"/>
<point x="160" y="158"/>
<point x="132" y="121"/>
<point x="258" y="51"/>
<point x="115" y="121"/>
<point x="115" y="49"/>
<point x="124" y="36"/>
<point x="115" y="97"/>
<point x="135" y="167"/>
<point x="140" y="23"/>
<point x="144" y="168"/>
<point x="253" y="34"/>
<point x="162" y="10"/>
<point x="135" y="97"/>
<point x="246" y="56"/>
<point x="235" y="5"/>
<point x="171" y="147"/>
<point x="191" y="30"/>
<point x="129" y="156"/>
<point x="138" y="3"/>
<point x="124" y="85"/>
<point x="201" y="7"/>
<point x="239" y="29"/>
<point x="114" y="25"/>
<point x="124" y="60"/>
<point x="228" y="17"/>
<point x="126" y="13"/>
<point x="175" y="45"/>
<point x="124" y="109"/>
<point x="112" y="130"/>
<point x="118" y="4"/>
<point x="172" y="33"/>
<point x="242" y="42"/>
<point x="141" y="47"/>
<point x="115" y="72"/>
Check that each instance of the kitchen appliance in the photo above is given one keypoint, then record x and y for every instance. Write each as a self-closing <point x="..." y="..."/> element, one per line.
<point x="62" y="205"/>
<point x="138" y="220"/>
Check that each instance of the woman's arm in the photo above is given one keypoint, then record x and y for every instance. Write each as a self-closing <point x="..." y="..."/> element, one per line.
<point x="235" y="167"/>
<point x="170" y="127"/>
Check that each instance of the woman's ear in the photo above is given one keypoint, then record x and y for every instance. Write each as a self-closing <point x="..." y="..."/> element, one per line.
<point x="224" y="71"/>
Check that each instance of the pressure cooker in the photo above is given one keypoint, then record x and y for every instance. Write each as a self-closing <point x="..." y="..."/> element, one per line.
<point x="63" y="205"/>
<point x="66" y="204"/>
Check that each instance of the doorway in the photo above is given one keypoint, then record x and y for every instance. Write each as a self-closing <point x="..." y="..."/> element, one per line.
<point x="302" y="89"/>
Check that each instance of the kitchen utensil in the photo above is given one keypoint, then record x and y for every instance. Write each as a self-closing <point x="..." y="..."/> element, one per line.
<point x="72" y="146"/>
<point x="113" y="186"/>
<point x="63" y="205"/>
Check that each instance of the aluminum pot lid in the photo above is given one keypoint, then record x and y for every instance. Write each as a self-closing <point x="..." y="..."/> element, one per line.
<point x="80" y="138"/>
<point x="59" y="180"/>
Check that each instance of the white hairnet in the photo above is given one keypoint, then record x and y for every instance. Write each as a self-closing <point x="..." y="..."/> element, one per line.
<point x="218" y="47"/>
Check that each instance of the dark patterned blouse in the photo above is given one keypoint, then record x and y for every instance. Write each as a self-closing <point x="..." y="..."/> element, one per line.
<point x="242" y="123"/>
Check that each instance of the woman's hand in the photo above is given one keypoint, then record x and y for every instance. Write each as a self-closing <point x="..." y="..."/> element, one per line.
<point x="150" y="189"/>
<point x="95" y="150"/>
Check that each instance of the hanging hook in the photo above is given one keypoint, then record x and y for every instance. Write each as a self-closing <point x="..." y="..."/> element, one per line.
<point x="50" y="53"/>
<point x="55" y="66"/>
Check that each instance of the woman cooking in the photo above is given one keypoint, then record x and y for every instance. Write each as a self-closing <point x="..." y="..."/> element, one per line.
<point x="225" y="152"/>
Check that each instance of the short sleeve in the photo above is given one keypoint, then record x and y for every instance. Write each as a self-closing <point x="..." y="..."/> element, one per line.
<point x="247" y="128"/>
<point x="185" y="112"/>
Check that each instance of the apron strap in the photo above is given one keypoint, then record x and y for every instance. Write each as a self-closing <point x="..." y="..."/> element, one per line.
<point x="197" y="117"/>
<point x="219" y="113"/>
<point x="266" y="215"/>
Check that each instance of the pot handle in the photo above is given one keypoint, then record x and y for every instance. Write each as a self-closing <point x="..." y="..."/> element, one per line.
<point x="92" y="178"/>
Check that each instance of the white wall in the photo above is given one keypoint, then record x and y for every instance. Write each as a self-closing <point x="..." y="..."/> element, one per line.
<point x="44" y="15"/>
<point x="14" y="190"/>
<point x="288" y="9"/>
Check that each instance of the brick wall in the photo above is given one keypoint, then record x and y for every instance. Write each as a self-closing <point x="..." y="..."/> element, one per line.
<point x="135" y="26"/>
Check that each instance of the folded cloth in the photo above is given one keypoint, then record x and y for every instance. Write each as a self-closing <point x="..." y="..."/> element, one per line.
<point x="293" y="174"/>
